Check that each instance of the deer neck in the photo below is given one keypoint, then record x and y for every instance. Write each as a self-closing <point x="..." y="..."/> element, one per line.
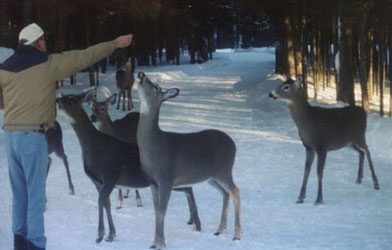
<point x="148" y="124"/>
<point x="83" y="127"/>
<point x="300" y="112"/>
<point x="104" y="122"/>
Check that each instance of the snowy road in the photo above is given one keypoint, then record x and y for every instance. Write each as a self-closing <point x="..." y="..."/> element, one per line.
<point x="228" y="93"/>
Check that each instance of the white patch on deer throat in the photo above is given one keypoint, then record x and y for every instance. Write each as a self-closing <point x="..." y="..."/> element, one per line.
<point x="99" y="123"/>
<point x="144" y="108"/>
<point x="69" y="118"/>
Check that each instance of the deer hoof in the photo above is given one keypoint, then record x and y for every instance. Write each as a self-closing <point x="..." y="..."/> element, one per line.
<point x="377" y="186"/>
<point x="110" y="238"/>
<point x="236" y="238"/>
<point x="317" y="203"/>
<point x="157" y="247"/>
<point x="197" y="228"/>
<point x="299" y="201"/>
<point x="99" y="239"/>
<point x="217" y="233"/>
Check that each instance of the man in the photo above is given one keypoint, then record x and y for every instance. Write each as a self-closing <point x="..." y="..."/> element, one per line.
<point x="28" y="79"/>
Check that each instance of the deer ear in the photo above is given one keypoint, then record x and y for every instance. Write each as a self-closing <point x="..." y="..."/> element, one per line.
<point x="141" y="75"/>
<point x="90" y="96"/>
<point x="298" y="81"/>
<point x="112" y="99"/>
<point x="170" y="93"/>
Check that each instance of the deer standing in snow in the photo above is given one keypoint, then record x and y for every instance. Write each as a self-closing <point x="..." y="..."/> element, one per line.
<point x="174" y="160"/>
<point x="107" y="161"/>
<point x="123" y="129"/>
<point x="125" y="80"/>
<point x="324" y="129"/>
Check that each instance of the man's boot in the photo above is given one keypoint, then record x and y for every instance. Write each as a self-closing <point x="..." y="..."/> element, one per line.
<point x="33" y="247"/>
<point x="20" y="243"/>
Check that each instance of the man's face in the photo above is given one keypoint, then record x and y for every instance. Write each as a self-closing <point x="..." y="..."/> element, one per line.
<point x="41" y="46"/>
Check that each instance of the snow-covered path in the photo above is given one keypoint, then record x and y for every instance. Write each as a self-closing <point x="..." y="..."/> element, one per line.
<point x="228" y="93"/>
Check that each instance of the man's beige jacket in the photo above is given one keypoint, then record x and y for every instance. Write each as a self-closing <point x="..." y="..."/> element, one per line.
<point x="30" y="94"/>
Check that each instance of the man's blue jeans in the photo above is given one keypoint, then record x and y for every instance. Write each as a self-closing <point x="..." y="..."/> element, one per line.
<point x="27" y="154"/>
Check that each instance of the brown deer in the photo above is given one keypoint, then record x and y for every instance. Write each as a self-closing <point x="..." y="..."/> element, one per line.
<point x="324" y="129"/>
<point x="107" y="161"/>
<point x="125" y="80"/>
<point x="54" y="137"/>
<point x="175" y="160"/>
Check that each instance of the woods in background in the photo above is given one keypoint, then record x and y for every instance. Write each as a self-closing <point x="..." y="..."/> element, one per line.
<point x="307" y="34"/>
<point x="310" y="33"/>
<point x="162" y="29"/>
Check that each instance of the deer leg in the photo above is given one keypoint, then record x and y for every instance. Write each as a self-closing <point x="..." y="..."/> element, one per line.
<point x="119" y="99"/>
<point x="120" y="199"/>
<point x="161" y="196"/>
<point x="65" y="161"/>
<point x="49" y="163"/>
<point x="130" y="97"/>
<point x="231" y="188"/>
<point x="194" y="217"/>
<point x="101" y="226"/>
<point x="308" y="164"/>
<point x="138" y="199"/>
<point x="124" y="94"/>
<point x="375" y="181"/>
<point x="104" y="201"/>
<point x="225" y="207"/>
<point x="127" y="194"/>
<point x="112" y="230"/>
<point x="361" y="160"/>
<point x="321" y="157"/>
<point x="362" y="148"/>
<point x="235" y="192"/>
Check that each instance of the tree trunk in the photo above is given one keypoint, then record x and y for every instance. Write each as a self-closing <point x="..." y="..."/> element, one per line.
<point x="346" y="79"/>
<point x="362" y="61"/>
<point x="371" y="64"/>
<point x="390" y="74"/>
<point x="381" y="68"/>
<point x="304" y="33"/>
<point x="289" y="47"/>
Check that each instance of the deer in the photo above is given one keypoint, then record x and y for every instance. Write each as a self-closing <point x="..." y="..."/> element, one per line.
<point x="123" y="129"/>
<point x="54" y="137"/>
<point x="125" y="80"/>
<point x="324" y="129"/>
<point x="174" y="160"/>
<point x="107" y="161"/>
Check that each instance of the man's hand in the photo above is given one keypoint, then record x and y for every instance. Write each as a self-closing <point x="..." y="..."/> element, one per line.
<point x="123" y="41"/>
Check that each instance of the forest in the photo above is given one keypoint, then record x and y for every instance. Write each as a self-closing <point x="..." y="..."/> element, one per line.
<point x="309" y="36"/>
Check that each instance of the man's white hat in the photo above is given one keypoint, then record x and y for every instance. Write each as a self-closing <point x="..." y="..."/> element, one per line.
<point x="30" y="33"/>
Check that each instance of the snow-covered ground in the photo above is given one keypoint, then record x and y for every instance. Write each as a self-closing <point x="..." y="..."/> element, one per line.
<point x="229" y="93"/>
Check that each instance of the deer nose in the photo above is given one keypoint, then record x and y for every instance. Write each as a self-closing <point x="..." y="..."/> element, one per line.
<point x="271" y="95"/>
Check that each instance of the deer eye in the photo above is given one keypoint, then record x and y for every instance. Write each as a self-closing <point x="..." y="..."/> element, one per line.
<point x="155" y="88"/>
<point x="286" y="88"/>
